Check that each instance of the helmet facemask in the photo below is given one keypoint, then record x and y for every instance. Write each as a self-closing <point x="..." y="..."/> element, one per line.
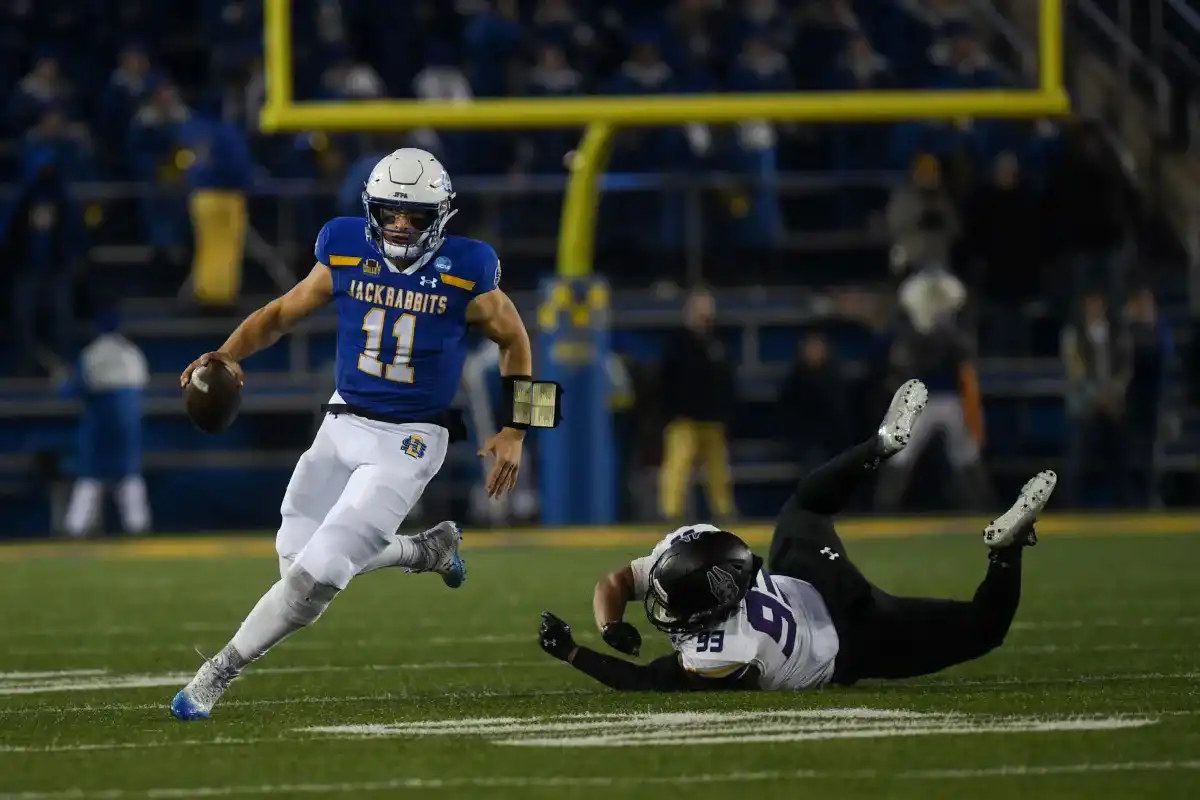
<point x="422" y="235"/>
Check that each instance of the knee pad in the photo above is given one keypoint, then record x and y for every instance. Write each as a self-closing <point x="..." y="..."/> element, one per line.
<point x="304" y="599"/>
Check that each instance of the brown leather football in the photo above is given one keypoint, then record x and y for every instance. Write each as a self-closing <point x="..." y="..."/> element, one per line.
<point x="212" y="397"/>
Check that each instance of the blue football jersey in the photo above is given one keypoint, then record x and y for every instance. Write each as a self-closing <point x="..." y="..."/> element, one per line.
<point x="401" y="337"/>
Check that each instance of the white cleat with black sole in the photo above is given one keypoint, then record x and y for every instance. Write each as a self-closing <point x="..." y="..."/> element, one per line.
<point x="1009" y="528"/>
<point x="896" y="428"/>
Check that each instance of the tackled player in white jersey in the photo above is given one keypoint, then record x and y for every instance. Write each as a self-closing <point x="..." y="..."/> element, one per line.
<point x="807" y="618"/>
<point x="405" y="295"/>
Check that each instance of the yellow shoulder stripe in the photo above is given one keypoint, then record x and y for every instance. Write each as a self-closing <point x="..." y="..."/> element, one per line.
<point x="719" y="672"/>
<point x="461" y="283"/>
<point x="344" y="261"/>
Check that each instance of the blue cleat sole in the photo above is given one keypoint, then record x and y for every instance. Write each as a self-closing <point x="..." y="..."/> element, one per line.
<point x="457" y="575"/>
<point x="184" y="710"/>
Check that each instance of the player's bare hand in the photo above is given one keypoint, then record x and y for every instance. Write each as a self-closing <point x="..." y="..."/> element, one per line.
<point x="208" y="358"/>
<point x="505" y="448"/>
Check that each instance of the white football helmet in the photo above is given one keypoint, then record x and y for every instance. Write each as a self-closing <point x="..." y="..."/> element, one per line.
<point x="415" y="183"/>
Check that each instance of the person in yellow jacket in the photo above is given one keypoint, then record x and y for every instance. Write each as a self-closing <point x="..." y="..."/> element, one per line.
<point x="218" y="167"/>
<point x="697" y="395"/>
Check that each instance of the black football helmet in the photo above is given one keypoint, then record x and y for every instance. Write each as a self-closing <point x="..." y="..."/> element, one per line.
<point x="699" y="581"/>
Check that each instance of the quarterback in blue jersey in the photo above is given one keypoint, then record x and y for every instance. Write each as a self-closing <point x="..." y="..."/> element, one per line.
<point x="405" y="295"/>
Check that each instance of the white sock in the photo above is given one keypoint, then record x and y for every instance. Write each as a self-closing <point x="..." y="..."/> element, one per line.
<point x="267" y="625"/>
<point x="83" y="509"/>
<point x="133" y="505"/>
<point x="402" y="552"/>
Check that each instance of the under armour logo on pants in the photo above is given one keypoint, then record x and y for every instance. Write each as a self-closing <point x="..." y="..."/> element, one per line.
<point x="829" y="553"/>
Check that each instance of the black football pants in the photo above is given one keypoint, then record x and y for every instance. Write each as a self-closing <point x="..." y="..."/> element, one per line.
<point x="881" y="635"/>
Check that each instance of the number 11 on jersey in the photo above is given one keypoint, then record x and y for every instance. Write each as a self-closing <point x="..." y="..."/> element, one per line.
<point x="403" y="331"/>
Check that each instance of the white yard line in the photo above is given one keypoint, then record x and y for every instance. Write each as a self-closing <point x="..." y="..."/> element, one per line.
<point x="101" y="681"/>
<point x="61" y="673"/>
<point x="86" y="747"/>
<point x="750" y="735"/>
<point x="188" y="646"/>
<point x="1115" y="677"/>
<point x="115" y="708"/>
<point x="1072" y="624"/>
<point x="616" y="782"/>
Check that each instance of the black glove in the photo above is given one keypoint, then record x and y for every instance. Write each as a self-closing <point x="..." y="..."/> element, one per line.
<point x="555" y="636"/>
<point x="623" y="637"/>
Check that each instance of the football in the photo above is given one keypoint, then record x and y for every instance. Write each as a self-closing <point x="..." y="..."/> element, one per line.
<point x="212" y="397"/>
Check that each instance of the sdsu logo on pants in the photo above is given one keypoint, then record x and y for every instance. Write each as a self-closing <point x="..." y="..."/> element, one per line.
<point x="413" y="446"/>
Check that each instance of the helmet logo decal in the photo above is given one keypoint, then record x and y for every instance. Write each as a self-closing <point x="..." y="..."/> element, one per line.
<point x="722" y="585"/>
<point x="691" y="536"/>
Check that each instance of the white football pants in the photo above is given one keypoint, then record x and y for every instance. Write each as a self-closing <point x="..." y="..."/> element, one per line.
<point x="351" y="491"/>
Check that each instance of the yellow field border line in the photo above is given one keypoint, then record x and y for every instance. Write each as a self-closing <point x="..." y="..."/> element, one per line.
<point x="628" y="536"/>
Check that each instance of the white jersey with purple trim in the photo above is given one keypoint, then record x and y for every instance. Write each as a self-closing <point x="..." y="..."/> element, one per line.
<point x="782" y="628"/>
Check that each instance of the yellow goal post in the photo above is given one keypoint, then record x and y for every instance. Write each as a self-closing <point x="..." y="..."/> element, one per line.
<point x="600" y="116"/>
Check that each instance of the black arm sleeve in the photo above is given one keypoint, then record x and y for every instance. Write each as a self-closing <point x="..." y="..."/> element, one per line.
<point x="661" y="675"/>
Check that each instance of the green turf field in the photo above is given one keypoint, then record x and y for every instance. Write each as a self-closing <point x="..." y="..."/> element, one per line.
<point x="422" y="691"/>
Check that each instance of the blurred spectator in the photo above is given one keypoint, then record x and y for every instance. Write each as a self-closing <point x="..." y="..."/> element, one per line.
<point x="860" y="68"/>
<point x="492" y="39"/>
<point x="1090" y="206"/>
<point x="763" y="18"/>
<point x="930" y="345"/>
<point x="694" y="42"/>
<point x="698" y="396"/>
<point x="760" y="68"/>
<point x="45" y="241"/>
<point x="218" y="169"/>
<point x="1097" y="355"/>
<point x="552" y="75"/>
<point x="922" y="220"/>
<point x="66" y="143"/>
<point x="442" y="79"/>
<point x="44" y="85"/>
<point x="1003" y="245"/>
<point x="557" y="22"/>
<point x="348" y="79"/>
<point x="815" y="404"/>
<point x="544" y="151"/>
<point x="109" y="380"/>
<point x="127" y="89"/>
<point x="644" y="72"/>
<point x="1152" y="348"/>
<point x="825" y="26"/>
<point x="758" y="219"/>
<point x="151" y="149"/>
<point x="961" y="62"/>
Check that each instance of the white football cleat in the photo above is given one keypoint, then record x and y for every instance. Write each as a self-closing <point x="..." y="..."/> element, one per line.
<point x="896" y="428"/>
<point x="196" y="700"/>
<point x="440" y="546"/>
<point x="1009" y="527"/>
